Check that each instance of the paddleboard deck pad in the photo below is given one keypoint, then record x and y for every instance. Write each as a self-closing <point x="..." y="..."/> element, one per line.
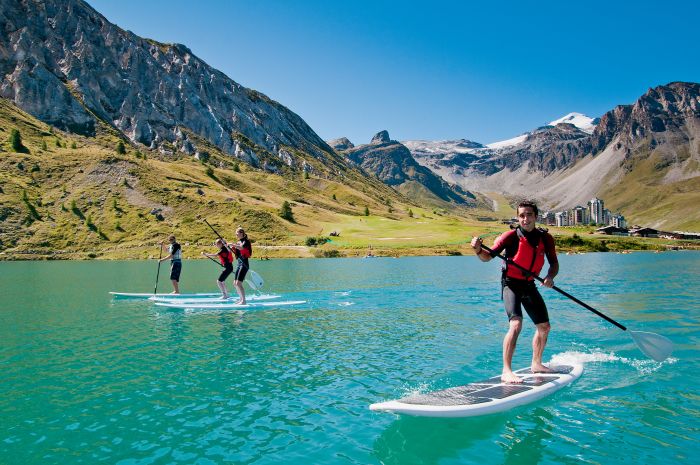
<point x="227" y="306"/>
<point x="484" y="397"/>
<point x="213" y="300"/>
<point x="147" y="295"/>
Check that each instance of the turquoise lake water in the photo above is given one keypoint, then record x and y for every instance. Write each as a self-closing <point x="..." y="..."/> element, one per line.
<point x="87" y="379"/>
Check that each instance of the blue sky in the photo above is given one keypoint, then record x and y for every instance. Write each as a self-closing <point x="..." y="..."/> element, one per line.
<point x="484" y="71"/>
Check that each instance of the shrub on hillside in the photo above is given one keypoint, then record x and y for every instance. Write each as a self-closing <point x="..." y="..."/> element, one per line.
<point x="204" y="156"/>
<point x="286" y="212"/>
<point x="16" y="142"/>
<point x="314" y="241"/>
<point x="333" y="253"/>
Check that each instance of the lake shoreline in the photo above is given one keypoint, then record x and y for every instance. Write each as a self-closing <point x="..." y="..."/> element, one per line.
<point x="263" y="252"/>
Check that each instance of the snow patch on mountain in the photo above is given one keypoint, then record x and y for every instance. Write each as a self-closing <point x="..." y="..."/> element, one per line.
<point x="508" y="143"/>
<point x="581" y="121"/>
<point x="427" y="147"/>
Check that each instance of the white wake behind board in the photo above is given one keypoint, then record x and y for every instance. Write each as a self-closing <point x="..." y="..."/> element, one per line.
<point x="213" y="300"/>
<point x="484" y="397"/>
<point x="226" y="306"/>
<point x="147" y="295"/>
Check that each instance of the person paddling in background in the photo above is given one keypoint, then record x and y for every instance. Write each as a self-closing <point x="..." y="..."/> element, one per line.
<point x="226" y="258"/>
<point x="527" y="246"/>
<point x="175" y="257"/>
<point x="243" y="250"/>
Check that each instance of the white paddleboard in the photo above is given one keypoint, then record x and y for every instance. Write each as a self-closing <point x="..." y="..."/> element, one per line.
<point x="226" y="306"/>
<point x="146" y="295"/>
<point x="484" y="397"/>
<point x="210" y="300"/>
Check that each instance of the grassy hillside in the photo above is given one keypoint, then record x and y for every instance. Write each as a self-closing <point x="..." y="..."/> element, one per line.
<point x="64" y="196"/>
<point x="659" y="189"/>
<point x="67" y="196"/>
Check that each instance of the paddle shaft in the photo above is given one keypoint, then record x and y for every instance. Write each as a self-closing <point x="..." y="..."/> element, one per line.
<point x="583" y="304"/>
<point x="222" y="239"/>
<point x="160" y="255"/>
<point x="218" y="235"/>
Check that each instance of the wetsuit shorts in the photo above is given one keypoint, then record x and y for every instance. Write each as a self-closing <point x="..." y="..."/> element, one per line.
<point x="518" y="293"/>
<point x="175" y="269"/>
<point x="228" y="269"/>
<point x="241" y="270"/>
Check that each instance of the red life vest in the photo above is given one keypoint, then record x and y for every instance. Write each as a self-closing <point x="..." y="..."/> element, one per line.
<point x="529" y="257"/>
<point x="246" y="251"/>
<point x="225" y="256"/>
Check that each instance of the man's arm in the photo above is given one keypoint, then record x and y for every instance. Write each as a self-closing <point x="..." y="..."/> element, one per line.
<point x="551" y="253"/>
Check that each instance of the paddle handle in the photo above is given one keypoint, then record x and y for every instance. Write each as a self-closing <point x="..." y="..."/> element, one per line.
<point x="562" y="292"/>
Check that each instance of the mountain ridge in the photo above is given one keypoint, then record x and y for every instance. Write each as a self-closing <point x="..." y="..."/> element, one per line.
<point x="558" y="166"/>
<point x="67" y="65"/>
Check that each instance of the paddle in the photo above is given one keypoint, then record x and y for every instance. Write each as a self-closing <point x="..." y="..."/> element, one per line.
<point x="652" y="345"/>
<point x="160" y="255"/>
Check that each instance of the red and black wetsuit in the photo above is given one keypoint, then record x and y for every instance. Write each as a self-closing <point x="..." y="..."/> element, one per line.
<point x="527" y="249"/>
<point x="226" y="259"/>
<point x="242" y="256"/>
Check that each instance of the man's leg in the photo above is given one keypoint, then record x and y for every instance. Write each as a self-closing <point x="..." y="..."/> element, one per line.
<point x="509" y="342"/>
<point x="175" y="269"/>
<point x="539" y="341"/>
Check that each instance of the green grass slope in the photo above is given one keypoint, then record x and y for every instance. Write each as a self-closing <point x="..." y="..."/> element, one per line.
<point x="659" y="189"/>
<point x="67" y="196"/>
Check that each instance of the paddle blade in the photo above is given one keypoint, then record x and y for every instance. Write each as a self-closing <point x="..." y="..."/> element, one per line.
<point x="255" y="279"/>
<point x="653" y="345"/>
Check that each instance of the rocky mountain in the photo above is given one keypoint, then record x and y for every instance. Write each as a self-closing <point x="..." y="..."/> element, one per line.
<point x="636" y="152"/>
<point x="64" y="63"/>
<point x="342" y="143"/>
<point x="394" y="165"/>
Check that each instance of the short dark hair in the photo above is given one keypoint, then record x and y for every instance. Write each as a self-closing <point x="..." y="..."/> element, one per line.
<point x="528" y="203"/>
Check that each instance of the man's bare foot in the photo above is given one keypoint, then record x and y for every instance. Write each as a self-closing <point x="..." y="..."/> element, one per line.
<point x="539" y="368"/>
<point x="511" y="378"/>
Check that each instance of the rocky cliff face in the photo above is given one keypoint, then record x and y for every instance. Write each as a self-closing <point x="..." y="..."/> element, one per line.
<point x="394" y="165"/>
<point x="64" y="63"/>
<point x="342" y="143"/>
<point x="664" y="110"/>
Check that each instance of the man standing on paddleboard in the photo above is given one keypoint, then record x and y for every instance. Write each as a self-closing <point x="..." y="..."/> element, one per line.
<point x="526" y="246"/>
<point x="175" y="257"/>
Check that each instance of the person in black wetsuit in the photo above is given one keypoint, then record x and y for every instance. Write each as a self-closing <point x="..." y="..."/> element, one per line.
<point x="175" y="257"/>
<point x="527" y="246"/>
<point x="243" y="250"/>
<point x="225" y="256"/>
